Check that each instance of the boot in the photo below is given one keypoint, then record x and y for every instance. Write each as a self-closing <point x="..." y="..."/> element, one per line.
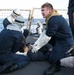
<point x="52" y="69"/>
<point x="12" y="68"/>
<point x="4" y="67"/>
<point x="9" y="69"/>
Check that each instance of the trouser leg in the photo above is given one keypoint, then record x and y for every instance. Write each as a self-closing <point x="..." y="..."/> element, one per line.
<point x="42" y="53"/>
<point x="16" y="62"/>
<point x="38" y="56"/>
<point x="21" y="60"/>
<point x="58" y="52"/>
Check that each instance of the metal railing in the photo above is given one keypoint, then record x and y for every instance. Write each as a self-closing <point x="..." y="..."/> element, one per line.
<point x="29" y="14"/>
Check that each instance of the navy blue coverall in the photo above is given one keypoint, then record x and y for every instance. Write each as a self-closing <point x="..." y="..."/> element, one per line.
<point x="10" y="43"/>
<point x="61" y="39"/>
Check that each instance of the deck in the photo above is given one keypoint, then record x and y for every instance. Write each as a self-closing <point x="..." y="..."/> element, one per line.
<point x="37" y="68"/>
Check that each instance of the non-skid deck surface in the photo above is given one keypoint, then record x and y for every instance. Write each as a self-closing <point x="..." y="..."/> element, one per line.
<point x="37" y="68"/>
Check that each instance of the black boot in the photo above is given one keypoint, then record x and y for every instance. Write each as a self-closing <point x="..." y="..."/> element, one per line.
<point x="52" y="69"/>
<point x="12" y="68"/>
<point x="8" y="69"/>
<point x="4" y="67"/>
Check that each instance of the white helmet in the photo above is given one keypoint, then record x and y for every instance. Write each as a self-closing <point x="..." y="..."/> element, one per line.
<point x="19" y="20"/>
<point x="39" y="24"/>
<point x="16" y="12"/>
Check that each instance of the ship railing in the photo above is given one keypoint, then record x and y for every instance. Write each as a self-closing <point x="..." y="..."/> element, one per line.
<point x="30" y="14"/>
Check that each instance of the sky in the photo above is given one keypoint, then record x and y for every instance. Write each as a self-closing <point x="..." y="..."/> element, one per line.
<point x="30" y="4"/>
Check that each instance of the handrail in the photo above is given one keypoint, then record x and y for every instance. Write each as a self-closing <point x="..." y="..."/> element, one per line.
<point x="32" y="13"/>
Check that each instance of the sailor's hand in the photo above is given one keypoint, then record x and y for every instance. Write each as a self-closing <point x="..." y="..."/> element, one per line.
<point x="34" y="49"/>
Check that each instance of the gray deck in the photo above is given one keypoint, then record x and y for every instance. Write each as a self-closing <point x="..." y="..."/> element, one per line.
<point x="37" y="68"/>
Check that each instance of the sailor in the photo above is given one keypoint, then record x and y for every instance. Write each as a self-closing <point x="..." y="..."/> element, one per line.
<point x="10" y="19"/>
<point x="69" y="61"/>
<point x="39" y="28"/>
<point x="58" y="34"/>
<point x="71" y="15"/>
<point x="10" y="43"/>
